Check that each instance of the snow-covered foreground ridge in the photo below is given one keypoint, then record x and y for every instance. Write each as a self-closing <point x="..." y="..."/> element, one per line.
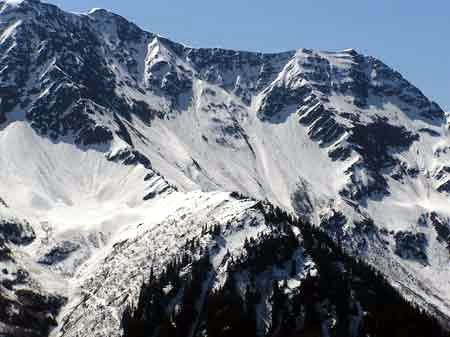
<point x="118" y="146"/>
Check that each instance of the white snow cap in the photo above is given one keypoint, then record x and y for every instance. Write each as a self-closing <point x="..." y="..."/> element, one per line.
<point x="100" y="11"/>
<point x="13" y="2"/>
<point x="93" y="10"/>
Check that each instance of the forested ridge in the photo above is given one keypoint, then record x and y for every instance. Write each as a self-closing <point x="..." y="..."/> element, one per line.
<point x="346" y="297"/>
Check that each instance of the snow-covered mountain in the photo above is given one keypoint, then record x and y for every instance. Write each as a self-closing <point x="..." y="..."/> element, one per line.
<point x="119" y="149"/>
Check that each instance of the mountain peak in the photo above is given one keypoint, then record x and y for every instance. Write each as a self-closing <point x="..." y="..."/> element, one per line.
<point x="7" y="5"/>
<point x="20" y="3"/>
<point x="13" y="2"/>
<point x="102" y="12"/>
<point x="95" y="10"/>
<point x="350" y="51"/>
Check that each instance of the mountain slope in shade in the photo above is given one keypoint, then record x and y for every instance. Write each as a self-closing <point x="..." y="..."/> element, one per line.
<point x="108" y="132"/>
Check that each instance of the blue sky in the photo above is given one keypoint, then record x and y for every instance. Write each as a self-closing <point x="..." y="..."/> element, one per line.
<point x="411" y="36"/>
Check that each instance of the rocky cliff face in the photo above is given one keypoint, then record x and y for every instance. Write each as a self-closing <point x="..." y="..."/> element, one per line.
<point x="107" y="130"/>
